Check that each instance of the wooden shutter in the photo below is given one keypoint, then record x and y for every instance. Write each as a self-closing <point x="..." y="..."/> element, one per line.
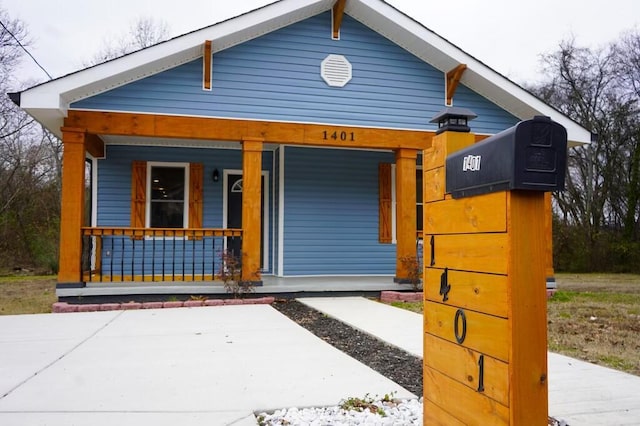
<point x="384" y="194"/>
<point x="196" y="180"/>
<point x="138" y="194"/>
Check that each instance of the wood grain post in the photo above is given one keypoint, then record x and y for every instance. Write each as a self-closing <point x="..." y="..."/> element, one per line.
<point x="72" y="211"/>
<point x="405" y="210"/>
<point x="251" y="208"/>
<point x="485" y="347"/>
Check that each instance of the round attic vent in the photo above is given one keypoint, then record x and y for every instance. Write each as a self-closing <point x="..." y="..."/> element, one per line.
<point x="336" y="70"/>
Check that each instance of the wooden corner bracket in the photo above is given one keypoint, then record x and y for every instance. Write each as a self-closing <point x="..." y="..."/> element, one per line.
<point x="452" y="79"/>
<point x="336" y="15"/>
<point x="207" y="71"/>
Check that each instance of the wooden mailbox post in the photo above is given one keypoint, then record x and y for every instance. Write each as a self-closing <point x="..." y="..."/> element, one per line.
<point x="485" y="325"/>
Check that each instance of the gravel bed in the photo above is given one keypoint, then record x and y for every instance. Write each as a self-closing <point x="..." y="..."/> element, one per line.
<point x="406" y="412"/>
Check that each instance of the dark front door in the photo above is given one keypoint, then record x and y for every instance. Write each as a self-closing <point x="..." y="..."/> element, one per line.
<point x="234" y="215"/>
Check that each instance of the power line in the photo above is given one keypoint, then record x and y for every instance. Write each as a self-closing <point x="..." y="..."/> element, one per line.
<point x="25" y="50"/>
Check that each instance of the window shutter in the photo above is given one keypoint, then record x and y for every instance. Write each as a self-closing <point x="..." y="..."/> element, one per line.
<point x="138" y="194"/>
<point x="384" y="194"/>
<point x="196" y="179"/>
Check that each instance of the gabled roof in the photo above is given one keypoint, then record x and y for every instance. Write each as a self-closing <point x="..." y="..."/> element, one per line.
<point x="48" y="102"/>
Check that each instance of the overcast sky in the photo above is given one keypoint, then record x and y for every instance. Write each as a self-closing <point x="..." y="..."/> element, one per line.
<point x="507" y="35"/>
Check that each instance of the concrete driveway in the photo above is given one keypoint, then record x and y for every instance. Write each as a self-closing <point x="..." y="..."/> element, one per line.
<point x="192" y="366"/>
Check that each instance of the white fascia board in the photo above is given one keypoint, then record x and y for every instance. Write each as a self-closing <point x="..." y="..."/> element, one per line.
<point x="59" y="93"/>
<point x="444" y="56"/>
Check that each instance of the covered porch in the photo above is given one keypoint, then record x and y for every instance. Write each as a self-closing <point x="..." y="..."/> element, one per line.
<point x="138" y="258"/>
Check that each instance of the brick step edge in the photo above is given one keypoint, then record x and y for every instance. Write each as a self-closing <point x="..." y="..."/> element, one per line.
<point x="400" y="296"/>
<point x="64" y="307"/>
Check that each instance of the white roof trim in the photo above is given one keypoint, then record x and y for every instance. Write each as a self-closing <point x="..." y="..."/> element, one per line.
<point x="48" y="102"/>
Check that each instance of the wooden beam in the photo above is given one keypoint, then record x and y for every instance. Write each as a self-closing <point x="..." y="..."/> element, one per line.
<point x="528" y="400"/>
<point x="405" y="211"/>
<point x="452" y="79"/>
<point x="207" y="70"/>
<point x="165" y="126"/>
<point x="94" y="145"/>
<point x="72" y="215"/>
<point x="251" y="209"/>
<point x="337" y="14"/>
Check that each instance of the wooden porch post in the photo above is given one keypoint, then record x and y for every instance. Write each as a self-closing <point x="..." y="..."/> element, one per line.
<point x="405" y="210"/>
<point x="251" y="208"/>
<point x="72" y="212"/>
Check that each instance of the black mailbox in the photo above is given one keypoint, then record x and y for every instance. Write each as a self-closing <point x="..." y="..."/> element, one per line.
<point x="530" y="155"/>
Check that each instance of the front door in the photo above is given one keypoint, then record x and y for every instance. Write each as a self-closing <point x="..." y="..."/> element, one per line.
<point x="234" y="215"/>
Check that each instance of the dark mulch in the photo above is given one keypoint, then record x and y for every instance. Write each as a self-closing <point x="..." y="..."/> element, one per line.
<point x="393" y="363"/>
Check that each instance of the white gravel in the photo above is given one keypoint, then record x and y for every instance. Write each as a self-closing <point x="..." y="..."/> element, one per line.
<point x="405" y="412"/>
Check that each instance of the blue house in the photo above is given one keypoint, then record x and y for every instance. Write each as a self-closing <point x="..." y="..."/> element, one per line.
<point x="289" y="138"/>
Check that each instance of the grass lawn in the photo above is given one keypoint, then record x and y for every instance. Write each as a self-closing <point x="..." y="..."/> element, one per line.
<point x="593" y="317"/>
<point x="596" y="318"/>
<point x="27" y="294"/>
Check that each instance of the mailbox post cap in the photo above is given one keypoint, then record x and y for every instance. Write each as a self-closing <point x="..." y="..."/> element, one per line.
<point x="453" y="119"/>
<point x="454" y="111"/>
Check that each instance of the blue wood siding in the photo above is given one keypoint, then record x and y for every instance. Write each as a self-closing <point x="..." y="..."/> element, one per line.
<point x="114" y="206"/>
<point x="331" y="213"/>
<point x="276" y="77"/>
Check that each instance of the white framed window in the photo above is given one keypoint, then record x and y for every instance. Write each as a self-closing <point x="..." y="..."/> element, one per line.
<point x="419" y="202"/>
<point x="167" y="195"/>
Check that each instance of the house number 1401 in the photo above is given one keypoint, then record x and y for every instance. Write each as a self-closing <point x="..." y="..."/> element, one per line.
<point x="342" y="136"/>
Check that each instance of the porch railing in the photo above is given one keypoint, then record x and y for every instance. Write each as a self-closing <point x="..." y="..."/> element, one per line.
<point x="160" y="254"/>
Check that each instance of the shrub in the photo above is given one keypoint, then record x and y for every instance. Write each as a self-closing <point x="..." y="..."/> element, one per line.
<point x="231" y="276"/>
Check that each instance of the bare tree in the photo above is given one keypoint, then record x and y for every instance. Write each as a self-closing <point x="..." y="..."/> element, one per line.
<point x="143" y="32"/>
<point x="12" y="32"/>
<point x="628" y="61"/>
<point x="601" y="199"/>
<point x="29" y="169"/>
<point x="580" y="86"/>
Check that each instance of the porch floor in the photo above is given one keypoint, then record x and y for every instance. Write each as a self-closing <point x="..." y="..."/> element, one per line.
<point x="283" y="286"/>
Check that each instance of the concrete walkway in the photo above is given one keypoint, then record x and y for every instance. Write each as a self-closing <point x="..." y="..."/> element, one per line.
<point x="580" y="393"/>
<point x="187" y="366"/>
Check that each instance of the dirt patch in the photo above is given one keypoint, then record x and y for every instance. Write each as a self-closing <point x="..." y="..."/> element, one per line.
<point x="596" y="318"/>
<point x="27" y="295"/>
<point x="393" y="363"/>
